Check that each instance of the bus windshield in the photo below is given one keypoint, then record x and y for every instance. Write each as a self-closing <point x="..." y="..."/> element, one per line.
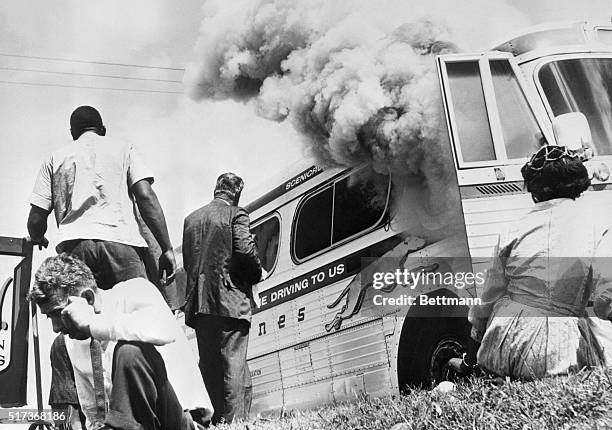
<point x="582" y="85"/>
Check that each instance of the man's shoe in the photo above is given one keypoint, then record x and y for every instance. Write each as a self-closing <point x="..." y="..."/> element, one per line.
<point x="201" y="417"/>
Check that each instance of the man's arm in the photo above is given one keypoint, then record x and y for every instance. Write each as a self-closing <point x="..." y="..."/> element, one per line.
<point x="244" y="248"/>
<point x="37" y="226"/>
<point x="153" y="216"/>
<point x="41" y="204"/>
<point x="143" y="316"/>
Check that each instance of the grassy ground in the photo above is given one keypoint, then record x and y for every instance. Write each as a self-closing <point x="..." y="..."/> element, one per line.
<point x="581" y="401"/>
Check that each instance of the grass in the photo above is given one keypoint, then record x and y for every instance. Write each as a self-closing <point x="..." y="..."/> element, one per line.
<point x="580" y="401"/>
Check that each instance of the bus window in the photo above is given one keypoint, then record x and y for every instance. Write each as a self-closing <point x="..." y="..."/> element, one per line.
<point x="582" y="85"/>
<point x="343" y="209"/>
<point x="313" y="224"/>
<point x="267" y="236"/>
<point x="519" y="127"/>
<point x="358" y="205"/>
<point x="604" y="35"/>
<point x="470" y="111"/>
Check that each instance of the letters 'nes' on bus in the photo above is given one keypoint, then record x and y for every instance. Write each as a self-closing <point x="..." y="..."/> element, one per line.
<point x="317" y="335"/>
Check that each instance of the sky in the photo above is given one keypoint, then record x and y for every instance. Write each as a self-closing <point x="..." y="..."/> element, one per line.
<point x="187" y="144"/>
<point x="127" y="58"/>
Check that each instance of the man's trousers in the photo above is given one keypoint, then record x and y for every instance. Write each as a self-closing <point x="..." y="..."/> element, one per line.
<point x="222" y="345"/>
<point x="141" y="396"/>
<point x="110" y="262"/>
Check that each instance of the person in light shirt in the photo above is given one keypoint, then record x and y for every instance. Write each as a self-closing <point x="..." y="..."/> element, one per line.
<point x="533" y="321"/>
<point x="96" y="186"/>
<point x="133" y="366"/>
<point x="93" y="185"/>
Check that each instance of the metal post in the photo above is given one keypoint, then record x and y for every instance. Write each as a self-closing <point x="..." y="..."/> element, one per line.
<point x="39" y="400"/>
<point x="35" y="340"/>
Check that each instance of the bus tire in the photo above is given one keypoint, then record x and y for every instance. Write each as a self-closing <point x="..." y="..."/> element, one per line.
<point x="425" y="347"/>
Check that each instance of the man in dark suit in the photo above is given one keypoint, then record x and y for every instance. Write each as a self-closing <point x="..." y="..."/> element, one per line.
<point x="221" y="262"/>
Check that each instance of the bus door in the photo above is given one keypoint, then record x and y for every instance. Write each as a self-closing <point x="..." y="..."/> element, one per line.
<point x="494" y="123"/>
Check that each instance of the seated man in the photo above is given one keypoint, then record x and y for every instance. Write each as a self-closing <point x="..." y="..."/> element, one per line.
<point x="127" y="350"/>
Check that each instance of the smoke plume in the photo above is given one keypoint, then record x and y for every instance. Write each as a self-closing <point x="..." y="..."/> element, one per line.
<point x="356" y="78"/>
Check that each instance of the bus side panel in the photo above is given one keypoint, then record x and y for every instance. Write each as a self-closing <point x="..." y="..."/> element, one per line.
<point x="360" y="361"/>
<point x="267" y="385"/>
<point x="318" y="364"/>
<point x="357" y="348"/>
<point x="487" y="217"/>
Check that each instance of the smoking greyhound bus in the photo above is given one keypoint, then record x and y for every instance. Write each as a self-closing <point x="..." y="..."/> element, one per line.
<point x="317" y="335"/>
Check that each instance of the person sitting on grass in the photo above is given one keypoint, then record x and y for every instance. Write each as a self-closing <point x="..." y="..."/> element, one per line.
<point x="127" y="351"/>
<point x="532" y="322"/>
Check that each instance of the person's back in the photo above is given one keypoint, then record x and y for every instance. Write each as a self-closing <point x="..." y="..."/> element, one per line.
<point x="532" y="319"/>
<point x="90" y="188"/>
<point x="221" y="261"/>
<point x="93" y="186"/>
<point x="96" y="186"/>
<point x="550" y="255"/>
<point x="224" y="290"/>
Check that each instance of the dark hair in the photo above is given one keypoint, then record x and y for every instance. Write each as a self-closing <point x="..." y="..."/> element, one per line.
<point x="229" y="186"/>
<point x="565" y="177"/>
<point x="62" y="275"/>
<point x="86" y="118"/>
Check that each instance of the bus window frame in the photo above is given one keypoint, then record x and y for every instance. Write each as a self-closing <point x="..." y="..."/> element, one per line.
<point x="597" y="30"/>
<point x="262" y="219"/>
<point x="540" y="90"/>
<point x="490" y="101"/>
<point x="554" y="59"/>
<point x="322" y="187"/>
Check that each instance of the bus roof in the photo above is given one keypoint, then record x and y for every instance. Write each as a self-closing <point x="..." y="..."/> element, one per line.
<point x="558" y="34"/>
<point x="286" y="186"/>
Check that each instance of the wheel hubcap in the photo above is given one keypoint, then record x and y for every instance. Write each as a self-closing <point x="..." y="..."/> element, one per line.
<point x="444" y="351"/>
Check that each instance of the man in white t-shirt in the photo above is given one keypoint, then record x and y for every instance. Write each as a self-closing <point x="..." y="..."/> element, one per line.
<point x="91" y="185"/>
<point x="132" y="364"/>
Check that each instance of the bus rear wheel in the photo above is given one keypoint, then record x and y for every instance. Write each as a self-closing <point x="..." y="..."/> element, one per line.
<point x="447" y="348"/>
<point x="426" y="345"/>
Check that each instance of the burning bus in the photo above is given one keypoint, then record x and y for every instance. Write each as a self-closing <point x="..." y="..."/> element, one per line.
<point x="322" y="331"/>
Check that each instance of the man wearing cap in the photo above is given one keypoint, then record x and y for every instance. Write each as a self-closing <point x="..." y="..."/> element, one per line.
<point x="91" y="185"/>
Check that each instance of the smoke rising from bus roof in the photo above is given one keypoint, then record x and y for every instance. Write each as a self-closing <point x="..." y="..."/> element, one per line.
<point x="336" y="70"/>
<point x="357" y="79"/>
